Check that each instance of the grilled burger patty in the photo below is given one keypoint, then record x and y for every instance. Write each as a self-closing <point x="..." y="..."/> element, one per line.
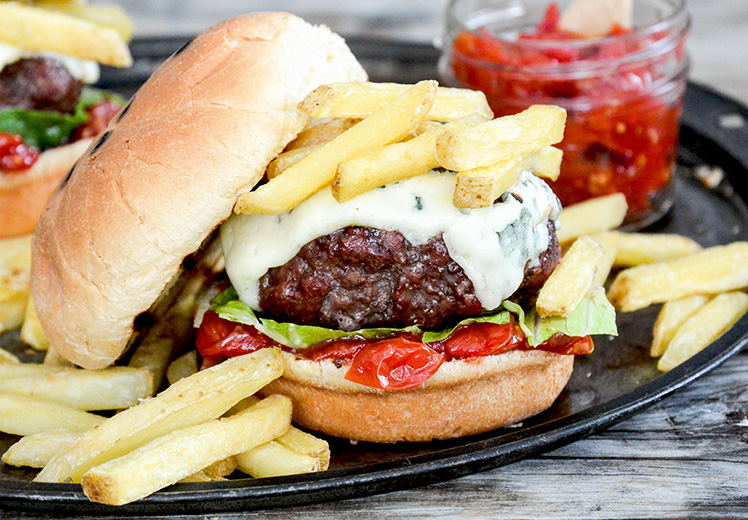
<point x="359" y="277"/>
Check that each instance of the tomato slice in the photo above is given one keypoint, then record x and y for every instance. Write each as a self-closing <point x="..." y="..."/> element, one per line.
<point x="561" y="344"/>
<point x="394" y="364"/>
<point x="218" y="339"/>
<point x="481" y="339"/>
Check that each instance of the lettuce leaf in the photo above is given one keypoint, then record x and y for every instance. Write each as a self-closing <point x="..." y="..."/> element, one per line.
<point x="47" y="129"/>
<point x="595" y="315"/>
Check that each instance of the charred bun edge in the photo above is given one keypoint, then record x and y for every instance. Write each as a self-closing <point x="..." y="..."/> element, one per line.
<point x="24" y="195"/>
<point x="198" y="133"/>
<point x="465" y="397"/>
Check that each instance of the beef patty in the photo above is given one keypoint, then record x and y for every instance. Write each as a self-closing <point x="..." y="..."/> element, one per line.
<point x="360" y="277"/>
<point x="39" y="84"/>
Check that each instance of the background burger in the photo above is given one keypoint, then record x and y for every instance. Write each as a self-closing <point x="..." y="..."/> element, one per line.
<point x="400" y="316"/>
<point x="48" y="113"/>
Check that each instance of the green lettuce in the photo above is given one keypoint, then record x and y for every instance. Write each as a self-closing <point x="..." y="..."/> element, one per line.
<point x="48" y="129"/>
<point x="594" y="315"/>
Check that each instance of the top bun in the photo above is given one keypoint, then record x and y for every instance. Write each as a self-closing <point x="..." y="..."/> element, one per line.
<point x="168" y="170"/>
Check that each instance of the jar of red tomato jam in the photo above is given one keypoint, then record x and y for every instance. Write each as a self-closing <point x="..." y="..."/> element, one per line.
<point x="622" y="90"/>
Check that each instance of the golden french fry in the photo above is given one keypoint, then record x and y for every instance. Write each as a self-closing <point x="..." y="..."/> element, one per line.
<point x="184" y="366"/>
<point x="321" y="133"/>
<point x="11" y="371"/>
<point x="648" y="248"/>
<point x="571" y="280"/>
<point x="21" y="415"/>
<point x="109" y="389"/>
<point x="165" y="460"/>
<point x="287" y="159"/>
<point x="15" y="256"/>
<point x="43" y="30"/>
<point x="273" y="460"/>
<point x="193" y="400"/>
<point x="610" y="248"/>
<point x="219" y="470"/>
<point x="592" y="216"/>
<point x="8" y="357"/>
<point x="53" y="359"/>
<point x="488" y="143"/>
<point x="307" y="444"/>
<point x="359" y="99"/>
<point x="709" y="271"/>
<point x="393" y="162"/>
<point x="37" y="449"/>
<point x="12" y="309"/>
<point x="672" y="315"/>
<point x="153" y="354"/>
<point x="112" y="16"/>
<point x="31" y="330"/>
<point x="480" y="187"/>
<point x="703" y="327"/>
<point x="385" y="125"/>
<point x="594" y="18"/>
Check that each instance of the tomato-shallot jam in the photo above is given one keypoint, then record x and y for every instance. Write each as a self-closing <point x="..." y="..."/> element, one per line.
<point x="622" y="92"/>
<point x="399" y="361"/>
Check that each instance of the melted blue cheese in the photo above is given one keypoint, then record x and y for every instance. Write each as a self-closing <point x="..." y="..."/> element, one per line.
<point x="82" y="70"/>
<point x="492" y="245"/>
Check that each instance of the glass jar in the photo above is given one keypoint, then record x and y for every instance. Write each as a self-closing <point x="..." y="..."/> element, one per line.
<point x="622" y="92"/>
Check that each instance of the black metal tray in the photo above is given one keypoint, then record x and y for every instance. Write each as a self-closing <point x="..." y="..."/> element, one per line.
<point x="617" y="380"/>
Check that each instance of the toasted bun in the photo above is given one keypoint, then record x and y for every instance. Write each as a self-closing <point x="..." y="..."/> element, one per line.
<point x="23" y="195"/>
<point x="464" y="397"/>
<point x="198" y="134"/>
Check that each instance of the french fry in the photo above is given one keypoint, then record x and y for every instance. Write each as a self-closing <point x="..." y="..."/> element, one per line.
<point x="709" y="271"/>
<point x="8" y="357"/>
<point x="53" y="359"/>
<point x="37" y="449"/>
<point x="359" y="99"/>
<point x="703" y="327"/>
<point x="109" y="389"/>
<point x="287" y="159"/>
<point x="610" y="248"/>
<point x="321" y="133"/>
<point x="571" y="280"/>
<point x="193" y="400"/>
<point x="648" y="248"/>
<point x="488" y="143"/>
<point x="184" y="366"/>
<point x="219" y="470"/>
<point x="21" y="415"/>
<point x="167" y="459"/>
<point x="15" y="258"/>
<point x="12" y="308"/>
<point x="31" y="330"/>
<point x="480" y="187"/>
<point x="43" y="30"/>
<point x="273" y="460"/>
<point x="11" y="371"/>
<point x="307" y="444"/>
<point x="672" y="315"/>
<point x="592" y="216"/>
<point x="153" y="354"/>
<point x="393" y="162"/>
<point x="112" y="16"/>
<point x="385" y="125"/>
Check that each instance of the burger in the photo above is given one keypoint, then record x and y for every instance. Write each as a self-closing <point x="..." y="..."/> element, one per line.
<point x="48" y="111"/>
<point x="399" y="316"/>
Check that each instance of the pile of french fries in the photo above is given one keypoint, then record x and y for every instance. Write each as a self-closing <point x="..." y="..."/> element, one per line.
<point x="701" y="289"/>
<point x="71" y="27"/>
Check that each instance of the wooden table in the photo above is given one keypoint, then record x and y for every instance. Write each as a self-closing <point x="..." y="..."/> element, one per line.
<point x="686" y="456"/>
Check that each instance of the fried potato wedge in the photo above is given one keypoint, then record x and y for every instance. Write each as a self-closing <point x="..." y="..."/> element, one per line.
<point x="22" y="415"/>
<point x="386" y="125"/>
<point x="480" y="187"/>
<point x="37" y="449"/>
<point x="193" y="400"/>
<point x="359" y="99"/>
<point x="488" y="143"/>
<point x="672" y="315"/>
<point x="109" y="389"/>
<point x="42" y="30"/>
<point x="709" y="271"/>
<point x="703" y="327"/>
<point x="592" y="216"/>
<point x="571" y="280"/>
<point x="167" y="459"/>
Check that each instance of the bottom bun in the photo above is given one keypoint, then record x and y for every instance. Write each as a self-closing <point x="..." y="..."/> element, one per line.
<point x="464" y="397"/>
<point x="24" y="195"/>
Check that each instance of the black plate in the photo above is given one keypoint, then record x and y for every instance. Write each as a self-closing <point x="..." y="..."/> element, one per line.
<point x="616" y="381"/>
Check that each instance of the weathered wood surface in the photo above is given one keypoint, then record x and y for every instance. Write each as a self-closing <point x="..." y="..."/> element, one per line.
<point x="685" y="457"/>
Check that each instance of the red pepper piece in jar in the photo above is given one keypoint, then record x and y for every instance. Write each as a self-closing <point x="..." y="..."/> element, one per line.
<point x="15" y="155"/>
